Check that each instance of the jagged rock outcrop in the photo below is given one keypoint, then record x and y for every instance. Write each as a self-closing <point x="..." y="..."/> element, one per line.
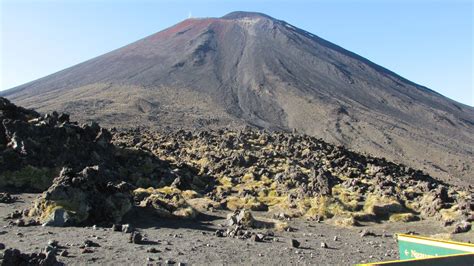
<point x="36" y="147"/>
<point x="174" y="174"/>
<point x="85" y="178"/>
<point x="299" y="175"/>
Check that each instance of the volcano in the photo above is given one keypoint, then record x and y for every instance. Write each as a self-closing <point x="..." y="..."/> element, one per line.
<point x="249" y="69"/>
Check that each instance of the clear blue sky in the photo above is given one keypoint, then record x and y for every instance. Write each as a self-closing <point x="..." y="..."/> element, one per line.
<point x="429" y="42"/>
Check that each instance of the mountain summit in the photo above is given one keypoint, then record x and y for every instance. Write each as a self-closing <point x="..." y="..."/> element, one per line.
<point x="251" y="69"/>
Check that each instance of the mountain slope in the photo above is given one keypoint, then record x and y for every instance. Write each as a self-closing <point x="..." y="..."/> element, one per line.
<point x="250" y="69"/>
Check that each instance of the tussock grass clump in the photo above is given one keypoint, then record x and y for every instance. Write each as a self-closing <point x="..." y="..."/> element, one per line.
<point x="251" y="183"/>
<point x="451" y="214"/>
<point x="203" y="204"/>
<point x="251" y="203"/>
<point x="225" y="182"/>
<point x="166" y="201"/>
<point x="321" y="207"/>
<point x="403" y="217"/>
<point x="271" y="199"/>
<point x="344" y="221"/>
<point x="382" y="205"/>
<point x="281" y="226"/>
<point x="363" y="216"/>
<point x="349" y="199"/>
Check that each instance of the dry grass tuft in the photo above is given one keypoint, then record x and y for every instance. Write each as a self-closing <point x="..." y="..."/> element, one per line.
<point x="403" y="217"/>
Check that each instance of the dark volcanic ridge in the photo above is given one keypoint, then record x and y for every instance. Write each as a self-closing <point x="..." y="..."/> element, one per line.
<point x="251" y="69"/>
<point x="176" y="175"/>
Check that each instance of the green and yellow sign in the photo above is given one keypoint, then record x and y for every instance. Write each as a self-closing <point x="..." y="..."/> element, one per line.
<point x="417" y="247"/>
<point x="423" y="251"/>
<point x="458" y="260"/>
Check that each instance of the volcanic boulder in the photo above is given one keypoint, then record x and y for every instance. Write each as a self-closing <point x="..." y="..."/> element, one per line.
<point x="91" y="196"/>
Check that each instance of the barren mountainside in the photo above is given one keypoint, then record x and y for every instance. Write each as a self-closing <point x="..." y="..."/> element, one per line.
<point x="251" y="69"/>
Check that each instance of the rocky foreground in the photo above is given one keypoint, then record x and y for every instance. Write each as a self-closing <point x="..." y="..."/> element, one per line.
<point x="260" y="185"/>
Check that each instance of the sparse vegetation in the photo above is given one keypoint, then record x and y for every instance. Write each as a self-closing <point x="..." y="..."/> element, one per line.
<point x="174" y="174"/>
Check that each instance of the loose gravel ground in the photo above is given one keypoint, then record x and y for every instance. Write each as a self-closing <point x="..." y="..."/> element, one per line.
<point x="195" y="242"/>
